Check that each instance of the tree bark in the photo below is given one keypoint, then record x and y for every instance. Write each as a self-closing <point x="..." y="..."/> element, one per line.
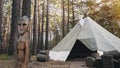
<point x="35" y="42"/>
<point x="1" y="21"/>
<point x="26" y="8"/>
<point x="63" y="19"/>
<point x="14" y="27"/>
<point x="73" y="13"/>
<point x="47" y="26"/>
<point x="42" y="29"/>
<point x="68" y="17"/>
<point x="39" y="16"/>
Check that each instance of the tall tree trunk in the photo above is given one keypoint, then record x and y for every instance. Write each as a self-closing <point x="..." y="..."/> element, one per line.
<point x="63" y="19"/>
<point x="35" y="42"/>
<point x="47" y="26"/>
<point x="39" y="17"/>
<point x="73" y="12"/>
<point x="26" y="8"/>
<point x="14" y="27"/>
<point x="42" y="29"/>
<point x="68" y="17"/>
<point x="1" y="21"/>
<point x="21" y="6"/>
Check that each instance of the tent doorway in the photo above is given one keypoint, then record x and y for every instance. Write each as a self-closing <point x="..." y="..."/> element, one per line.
<point x="79" y="50"/>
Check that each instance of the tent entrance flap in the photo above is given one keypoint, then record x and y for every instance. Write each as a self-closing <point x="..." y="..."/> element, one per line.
<point x="79" y="50"/>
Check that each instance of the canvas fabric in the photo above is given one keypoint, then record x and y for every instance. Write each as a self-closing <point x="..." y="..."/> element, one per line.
<point x="91" y="34"/>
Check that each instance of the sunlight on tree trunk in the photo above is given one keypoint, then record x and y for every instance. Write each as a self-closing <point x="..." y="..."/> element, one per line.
<point x="42" y="29"/>
<point x="68" y="18"/>
<point x="39" y="21"/>
<point x="73" y="12"/>
<point x="63" y="20"/>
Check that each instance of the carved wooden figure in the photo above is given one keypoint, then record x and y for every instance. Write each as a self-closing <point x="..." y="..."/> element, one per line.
<point x="22" y="51"/>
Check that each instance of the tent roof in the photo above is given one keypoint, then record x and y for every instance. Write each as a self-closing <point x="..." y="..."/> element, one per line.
<point x="94" y="36"/>
<point x="68" y="41"/>
<point x="91" y="34"/>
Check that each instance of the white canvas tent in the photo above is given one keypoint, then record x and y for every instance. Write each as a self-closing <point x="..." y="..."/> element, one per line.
<point x="91" y="34"/>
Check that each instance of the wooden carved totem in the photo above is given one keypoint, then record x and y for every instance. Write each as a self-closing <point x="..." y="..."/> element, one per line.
<point x="22" y="51"/>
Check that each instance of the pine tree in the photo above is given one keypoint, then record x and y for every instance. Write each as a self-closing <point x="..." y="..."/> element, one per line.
<point x="47" y="26"/>
<point x="14" y="32"/>
<point x="1" y="21"/>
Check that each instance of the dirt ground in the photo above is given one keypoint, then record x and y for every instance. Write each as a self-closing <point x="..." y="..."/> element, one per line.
<point x="58" y="64"/>
<point x="51" y="64"/>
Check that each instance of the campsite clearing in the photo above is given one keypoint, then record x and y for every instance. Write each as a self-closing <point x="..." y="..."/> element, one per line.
<point x="58" y="64"/>
<point x="50" y="64"/>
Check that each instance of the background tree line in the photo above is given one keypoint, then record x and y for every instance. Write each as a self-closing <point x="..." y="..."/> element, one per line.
<point x="51" y="20"/>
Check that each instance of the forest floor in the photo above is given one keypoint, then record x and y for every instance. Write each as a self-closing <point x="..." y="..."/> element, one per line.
<point x="9" y="63"/>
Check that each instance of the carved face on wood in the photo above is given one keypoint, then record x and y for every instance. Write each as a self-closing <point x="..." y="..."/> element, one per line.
<point x="23" y="25"/>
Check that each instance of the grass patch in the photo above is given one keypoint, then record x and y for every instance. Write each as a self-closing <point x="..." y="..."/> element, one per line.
<point x="4" y="57"/>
